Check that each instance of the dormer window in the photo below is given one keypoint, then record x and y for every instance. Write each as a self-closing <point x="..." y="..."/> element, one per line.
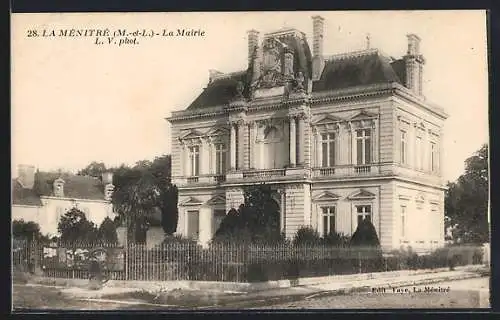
<point x="59" y="187"/>
<point x="108" y="192"/>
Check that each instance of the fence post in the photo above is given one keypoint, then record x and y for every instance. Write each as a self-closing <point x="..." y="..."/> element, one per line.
<point x="359" y="261"/>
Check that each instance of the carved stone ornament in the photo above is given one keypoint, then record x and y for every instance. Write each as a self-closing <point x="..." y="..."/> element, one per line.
<point x="289" y="64"/>
<point x="299" y="82"/>
<point x="271" y="73"/>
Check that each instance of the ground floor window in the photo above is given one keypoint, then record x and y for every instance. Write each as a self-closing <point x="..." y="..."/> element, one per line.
<point x="364" y="212"/>
<point x="193" y="224"/>
<point x="328" y="214"/>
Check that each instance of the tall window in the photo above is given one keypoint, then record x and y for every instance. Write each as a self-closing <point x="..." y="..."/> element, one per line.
<point x="220" y="158"/>
<point x="403" y="221"/>
<point x="194" y="160"/>
<point x="363" y="145"/>
<point x="419" y="153"/>
<point x="364" y="213"/>
<point x="404" y="148"/>
<point x="328" y="149"/>
<point x="328" y="220"/>
<point x="433" y="156"/>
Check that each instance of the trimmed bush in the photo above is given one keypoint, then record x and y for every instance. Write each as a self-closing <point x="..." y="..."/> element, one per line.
<point x="365" y="235"/>
<point x="306" y="235"/>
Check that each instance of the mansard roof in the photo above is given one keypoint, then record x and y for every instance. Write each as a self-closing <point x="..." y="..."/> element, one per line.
<point x="356" y="69"/>
<point x="341" y="71"/>
<point x="222" y="89"/>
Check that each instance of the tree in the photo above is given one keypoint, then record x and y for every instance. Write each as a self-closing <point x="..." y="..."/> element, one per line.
<point x="169" y="209"/>
<point x="27" y="230"/>
<point x="107" y="231"/>
<point x="257" y="220"/>
<point x="137" y="201"/>
<point x="144" y="190"/>
<point x="75" y="227"/>
<point x="466" y="201"/>
<point x="94" y="169"/>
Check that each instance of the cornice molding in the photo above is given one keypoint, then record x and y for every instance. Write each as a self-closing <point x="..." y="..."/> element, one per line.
<point x="315" y="98"/>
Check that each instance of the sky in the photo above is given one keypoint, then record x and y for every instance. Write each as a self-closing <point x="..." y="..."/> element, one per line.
<point x="74" y="102"/>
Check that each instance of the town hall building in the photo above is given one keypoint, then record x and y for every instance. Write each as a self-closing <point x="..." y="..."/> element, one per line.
<point x="341" y="138"/>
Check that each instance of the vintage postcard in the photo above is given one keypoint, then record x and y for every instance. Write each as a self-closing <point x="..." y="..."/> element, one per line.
<point x="250" y="160"/>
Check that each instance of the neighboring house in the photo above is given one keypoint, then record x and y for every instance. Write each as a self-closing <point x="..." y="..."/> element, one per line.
<point x="44" y="197"/>
<point x="341" y="138"/>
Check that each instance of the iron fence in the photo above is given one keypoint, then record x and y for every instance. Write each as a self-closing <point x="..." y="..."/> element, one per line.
<point x="225" y="261"/>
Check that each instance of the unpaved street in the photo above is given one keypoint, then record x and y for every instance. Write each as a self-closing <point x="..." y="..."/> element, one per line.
<point x="454" y="294"/>
<point x="461" y="294"/>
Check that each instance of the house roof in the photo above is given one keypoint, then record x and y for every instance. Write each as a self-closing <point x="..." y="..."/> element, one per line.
<point x="223" y="90"/>
<point x="363" y="68"/>
<point x="23" y="196"/>
<point x="75" y="186"/>
<point x="220" y="91"/>
<point x="340" y="71"/>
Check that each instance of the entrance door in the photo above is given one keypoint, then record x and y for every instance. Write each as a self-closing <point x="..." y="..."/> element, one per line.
<point x="193" y="227"/>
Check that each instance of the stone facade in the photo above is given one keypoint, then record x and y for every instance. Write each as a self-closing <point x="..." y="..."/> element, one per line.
<point x="348" y="141"/>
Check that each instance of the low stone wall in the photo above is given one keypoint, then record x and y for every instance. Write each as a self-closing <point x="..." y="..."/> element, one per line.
<point x="155" y="286"/>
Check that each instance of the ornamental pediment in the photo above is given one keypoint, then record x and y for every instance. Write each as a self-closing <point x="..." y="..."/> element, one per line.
<point x="329" y="118"/>
<point x="191" y="201"/>
<point x="218" y="131"/>
<point x="217" y="200"/>
<point x="191" y="134"/>
<point x="362" y="195"/>
<point x="363" y="115"/>
<point x="326" y="196"/>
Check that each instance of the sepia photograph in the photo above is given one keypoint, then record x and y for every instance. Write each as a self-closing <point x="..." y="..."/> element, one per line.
<point x="250" y="161"/>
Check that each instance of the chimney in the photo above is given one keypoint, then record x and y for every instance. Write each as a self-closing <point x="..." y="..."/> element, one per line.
<point x="59" y="187"/>
<point x="26" y="176"/>
<point x="107" y="177"/>
<point x="414" y="63"/>
<point x="318" y="62"/>
<point x="107" y="181"/>
<point x="253" y="43"/>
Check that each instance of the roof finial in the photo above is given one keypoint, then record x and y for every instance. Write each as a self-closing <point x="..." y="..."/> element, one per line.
<point x="367" y="41"/>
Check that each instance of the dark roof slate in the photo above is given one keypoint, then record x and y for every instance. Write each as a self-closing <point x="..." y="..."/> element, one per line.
<point x="358" y="70"/>
<point x="220" y="91"/>
<point x="23" y="196"/>
<point x="75" y="186"/>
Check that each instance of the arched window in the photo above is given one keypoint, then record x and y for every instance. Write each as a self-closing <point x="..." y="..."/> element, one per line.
<point x="274" y="153"/>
